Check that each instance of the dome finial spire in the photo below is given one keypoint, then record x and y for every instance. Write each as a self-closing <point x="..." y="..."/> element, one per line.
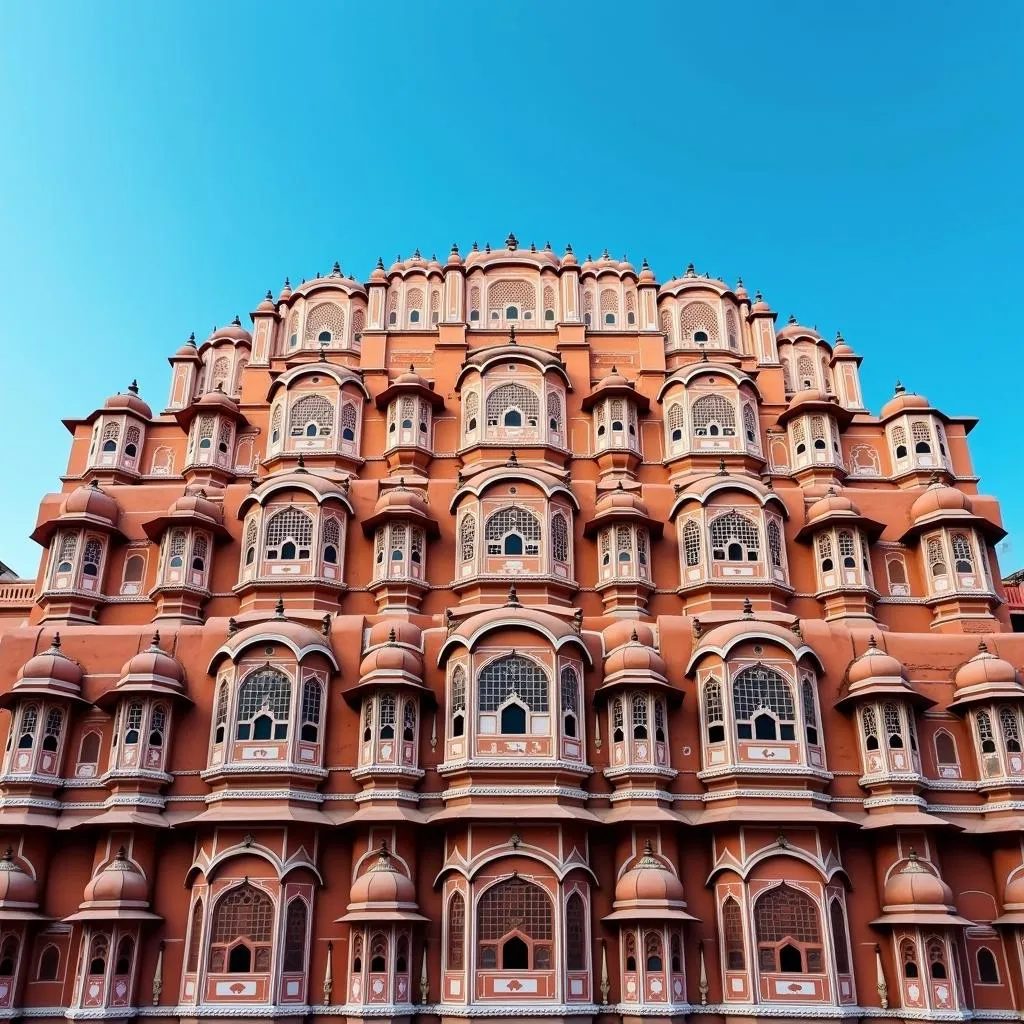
<point x="279" y="608"/>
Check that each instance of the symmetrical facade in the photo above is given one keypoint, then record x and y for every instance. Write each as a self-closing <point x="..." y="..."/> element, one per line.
<point x="513" y="637"/>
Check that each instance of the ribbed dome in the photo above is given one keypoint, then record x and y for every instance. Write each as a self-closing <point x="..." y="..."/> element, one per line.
<point x="217" y="401"/>
<point x="392" y="659"/>
<point x="621" y="632"/>
<point x="92" y="501"/>
<point x="234" y="330"/>
<point x="649" y="880"/>
<point x="635" y="657"/>
<point x="154" y="662"/>
<point x="405" y="632"/>
<point x="915" y="886"/>
<point x="646" y="274"/>
<point x="130" y="402"/>
<point x="402" y="501"/>
<point x="810" y="396"/>
<point x="832" y="504"/>
<point x="16" y="885"/>
<point x="985" y="669"/>
<point x="51" y="666"/>
<point x="760" y="306"/>
<point x="613" y="380"/>
<point x="119" y="882"/>
<point x="195" y="504"/>
<point x="1013" y="893"/>
<point x="383" y="884"/>
<point x="875" y="664"/>
<point x="903" y="401"/>
<point x="938" y="498"/>
<point x="621" y="500"/>
<point x="188" y="350"/>
<point x="411" y="378"/>
<point x="267" y="305"/>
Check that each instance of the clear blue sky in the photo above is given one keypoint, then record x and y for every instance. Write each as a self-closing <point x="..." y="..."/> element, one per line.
<point x="162" y="165"/>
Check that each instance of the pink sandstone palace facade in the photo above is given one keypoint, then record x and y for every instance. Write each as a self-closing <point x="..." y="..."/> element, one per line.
<point x="513" y="637"/>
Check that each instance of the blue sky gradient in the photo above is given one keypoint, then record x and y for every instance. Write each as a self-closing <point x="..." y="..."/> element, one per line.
<point x="162" y="165"/>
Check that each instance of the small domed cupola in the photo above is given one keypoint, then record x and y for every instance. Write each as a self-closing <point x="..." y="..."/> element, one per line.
<point x="151" y="672"/>
<point x="984" y="678"/>
<point x="410" y="404"/>
<point x="649" y="891"/>
<point x="117" y="893"/>
<point x="19" y="894"/>
<point x="382" y="893"/>
<point x="616" y="405"/>
<point x="212" y="424"/>
<point x="1013" y="902"/>
<point x="48" y="674"/>
<point x="915" y="895"/>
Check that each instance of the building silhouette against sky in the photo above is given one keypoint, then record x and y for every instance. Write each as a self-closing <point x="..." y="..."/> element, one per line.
<point x="513" y="635"/>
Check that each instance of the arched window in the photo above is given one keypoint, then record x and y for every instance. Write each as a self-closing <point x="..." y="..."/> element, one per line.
<point x="176" y="549"/>
<point x="295" y="937"/>
<point x="787" y="375"/>
<point x="512" y="685"/>
<point x="325" y="323"/>
<point x="467" y="537"/>
<point x="575" y="933"/>
<point x="199" y="551"/>
<point x="714" y="712"/>
<point x="775" y="544"/>
<point x="263" y="702"/>
<point x="893" y="726"/>
<point x="243" y="923"/>
<point x="899" y="442"/>
<point x="945" y="752"/>
<point x="27" y="727"/>
<point x="54" y="727"/>
<point x="936" y="557"/>
<point x="512" y="531"/>
<point x="195" y="937"/>
<point x="818" y="433"/>
<point x="89" y="751"/>
<point x="937" y="959"/>
<point x="629" y="951"/>
<point x="570" y="694"/>
<point x="111" y="433"/>
<point x="985" y="734"/>
<point x="8" y="956"/>
<point x="1010" y="727"/>
<point x="251" y="531"/>
<point x="221" y="717"/>
<point x="331" y="540"/>
<point x="988" y="971"/>
<point x="409" y="720"/>
<point x="456" y="932"/>
<point x="734" y="538"/>
<point x="713" y="416"/>
<point x="788" y="932"/>
<point x="312" y="697"/>
<point x="825" y="560"/>
<point x="846" y="549"/>
<point x="458" y="701"/>
<point x="639" y="716"/>
<point x="763" y="705"/>
<point x="698" y="323"/>
<point x="805" y="371"/>
<point x="134" y="568"/>
<point x="386" y="717"/>
<point x="921" y="437"/>
<point x="869" y="727"/>
<point x="514" y="927"/>
<point x="749" y="424"/>
<point x="732" y="932"/>
<point x="691" y="543"/>
<point x="618" y="722"/>
<point x="555" y="415"/>
<point x="963" y="556"/>
<point x="276" y="420"/>
<point x="472" y="411"/>
<point x="675" y="421"/>
<point x="98" y="950"/>
<point x="125" y="956"/>
<point x="311" y="416"/>
<point x="157" y="725"/>
<point x="66" y="552"/>
<point x="512" y="405"/>
<point x="91" y="557"/>
<point x="348" y="422"/>
<point x="357" y="954"/>
<point x="908" y="958"/>
<point x="289" y="534"/>
<point x="49" y="964"/>
<point x="653" y="958"/>
<point x="810" y="712"/>
<point x="559" y="538"/>
<point x="837" y="922"/>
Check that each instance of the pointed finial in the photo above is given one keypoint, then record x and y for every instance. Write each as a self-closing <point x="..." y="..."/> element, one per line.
<point x="619" y="486"/>
<point x="512" y="601"/>
<point x="982" y="647"/>
<point x="605" y="255"/>
<point x="55" y="642"/>
<point x="748" y="608"/>
<point x="511" y="243"/>
<point x="648" y="849"/>
<point x="302" y="461"/>
<point x="912" y="855"/>
<point x="392" y="636"/>
<point x="323" y="354"/>
<point x="94" y="484"/>
<point x="287" y="282"/>
<point x="704" y="355"/>
<point x="455" y="249"/>
<point x="192" y="339"/>
<point x="758" y="297"/>
<point x="722" y="471"/>
<point x="487" y="247"/>
<point x="690" y="271"/>
<point x="134" y="387"/>
<point x="279" y="608"/>
<point x="698" y="628"/>
<point x="739" y="282"/>
<point x="533" y="248"/>
<point x="568" y="247"/>
<point x="8" y="854"/>
<point x="269" y="296"/>
<point x="872" y="643"/>
<point x="899" y="389"/>
<point x="512" y="459"/>
<point x="634" y="637"/>
<point x="122" y="853"/>
<point x="325" y="624"/>
<point x="232" y="626"/>
<point x="476" y="248"/>
<point x="336" y="269"/>
<point x="795" y="627"/>
<point x="547" y="247"/>
<point x="155" y="642"/>
<point x="512" y="335"/>
<point x="237" y="321"/>
<point x="791" y="320"/>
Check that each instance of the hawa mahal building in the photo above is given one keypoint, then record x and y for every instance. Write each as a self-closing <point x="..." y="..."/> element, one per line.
<point x="513" y="637"/>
